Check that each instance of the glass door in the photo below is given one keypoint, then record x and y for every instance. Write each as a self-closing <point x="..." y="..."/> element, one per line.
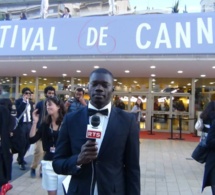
<point x="126" y="101"/>
<point x="170" y="111"/>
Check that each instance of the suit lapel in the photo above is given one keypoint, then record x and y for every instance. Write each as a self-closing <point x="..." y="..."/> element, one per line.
<point x="110" y="131"/>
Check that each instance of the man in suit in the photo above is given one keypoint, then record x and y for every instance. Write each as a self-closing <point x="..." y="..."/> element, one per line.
<point x="105" y="166"/>
<point x="24" y="108"/>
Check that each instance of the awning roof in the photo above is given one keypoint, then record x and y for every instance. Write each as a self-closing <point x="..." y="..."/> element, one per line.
<point x="36" y="2"/>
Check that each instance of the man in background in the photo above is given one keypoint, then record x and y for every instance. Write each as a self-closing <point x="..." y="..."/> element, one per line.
<point x="77" y="102"/>
<point x="24" y="108"/>
<point x="110" y="164"/>
<point x="38" y="151"/>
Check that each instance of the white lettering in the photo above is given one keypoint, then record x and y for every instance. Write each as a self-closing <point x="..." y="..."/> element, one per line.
<point x="25" y="40"/>
<point x="92" y="33"/>
<point x="201" y="29"/>
<point x="3" y="37"/>
<point x="163" y="32"/>
<point x="38" y="40"/>
<point x="51" y="40"/>
<point x="102" y="35"/>
<point x="180" y="34"/>
<point x="138" y="36"/>
<point x="14" y="36"/>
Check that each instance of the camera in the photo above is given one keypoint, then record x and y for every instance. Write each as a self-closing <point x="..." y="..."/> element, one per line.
<point x="71" y="100"/>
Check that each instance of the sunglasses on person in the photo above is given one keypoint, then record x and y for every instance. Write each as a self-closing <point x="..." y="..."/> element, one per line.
<point x="27" y="93"/>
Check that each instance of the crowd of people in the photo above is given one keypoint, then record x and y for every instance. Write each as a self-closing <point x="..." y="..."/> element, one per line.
<point x="62" y="149"/>
<point x="23" y="15"/>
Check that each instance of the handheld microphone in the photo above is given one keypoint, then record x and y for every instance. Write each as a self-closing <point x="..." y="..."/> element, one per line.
<point x="93" y="129"/>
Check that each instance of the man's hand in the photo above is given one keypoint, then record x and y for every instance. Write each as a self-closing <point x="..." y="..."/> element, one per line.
<point x="82" y="101"/>
<point x="89" y="152"/>
<point x="67" y="104"/>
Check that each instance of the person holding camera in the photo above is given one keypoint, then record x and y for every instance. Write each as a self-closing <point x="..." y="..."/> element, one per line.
<point x="48" y="132"/>
<point x="77" y="102"/>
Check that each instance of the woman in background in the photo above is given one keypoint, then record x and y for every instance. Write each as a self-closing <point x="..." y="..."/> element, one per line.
<point x="48" y="132"/>
<point x="137" y="109"/>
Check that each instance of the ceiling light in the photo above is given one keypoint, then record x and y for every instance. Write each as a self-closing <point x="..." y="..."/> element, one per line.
<point x="24" y="74"/>
<point x="34" y="71"/>
<point x="213" y="67"/>
<point x="153" y="80"/>
<point x="115" y="79"/>
<point x="202" y="75"/>
<point x="172" y="82"/>
<point x="135" y="81"/>
<point x="45" y="79"/>
<point x="64" y="75"/>
<point x="188" y="84"/>
<point x="127" y="71"/>
<point x="153" y="75"/>
<point x="211" y="83"/>
<point x="152" y="67"/>
<point x="180" y="71"/>
<point x="203" y="86"/>
<point x="78" y="71"/>
<point x="196" y="80"/>
<point x="96" y="66"/>
<point x="44" y="67"/>
<point x="68" y="81"/>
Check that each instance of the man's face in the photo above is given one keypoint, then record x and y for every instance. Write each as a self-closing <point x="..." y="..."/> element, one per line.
<point x="50" y="93"/>
<point x="78" y="94"/>
<point x="27" y="94"/>
<point x="100" y="89"/>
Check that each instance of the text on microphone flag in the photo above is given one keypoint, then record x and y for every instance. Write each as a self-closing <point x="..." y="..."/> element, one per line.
<point x="94" y="134"/>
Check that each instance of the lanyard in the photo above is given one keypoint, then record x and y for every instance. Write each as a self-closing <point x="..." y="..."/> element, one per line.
<point x="52" y="133"/>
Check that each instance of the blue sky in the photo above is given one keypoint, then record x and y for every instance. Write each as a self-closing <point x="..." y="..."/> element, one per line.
<point x="192" y="5"/>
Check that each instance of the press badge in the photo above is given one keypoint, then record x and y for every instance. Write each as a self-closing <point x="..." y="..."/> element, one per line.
<point x="52" y="149"/>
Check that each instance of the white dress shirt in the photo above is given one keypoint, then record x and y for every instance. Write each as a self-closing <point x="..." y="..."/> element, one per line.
<point x="103" y="124"/>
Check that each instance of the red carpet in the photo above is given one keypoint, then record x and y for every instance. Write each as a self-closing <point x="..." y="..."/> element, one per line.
<point x="165" y="136"/>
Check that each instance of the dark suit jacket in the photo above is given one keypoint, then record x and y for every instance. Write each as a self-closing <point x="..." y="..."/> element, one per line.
<point x="117" y="168"/>
<point x="6" y="125"/>
<point x="20" y="107"/>
<point x="210" y="161"/>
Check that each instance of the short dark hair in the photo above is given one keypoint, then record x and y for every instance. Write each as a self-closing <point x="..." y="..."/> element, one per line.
<point x="101" y="70"/>
<point x="80" y="89"/>
<point x="26" y="89"/>
<point x="67" y="9"/>
<point x="49" y="88"/>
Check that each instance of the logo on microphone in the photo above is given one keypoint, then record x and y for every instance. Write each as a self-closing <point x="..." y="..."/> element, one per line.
<point x="92" y="134"/>
<point x="94" y="131"/>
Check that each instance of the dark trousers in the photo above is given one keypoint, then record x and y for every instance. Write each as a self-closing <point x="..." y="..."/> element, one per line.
<point x="24" y="135"/>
